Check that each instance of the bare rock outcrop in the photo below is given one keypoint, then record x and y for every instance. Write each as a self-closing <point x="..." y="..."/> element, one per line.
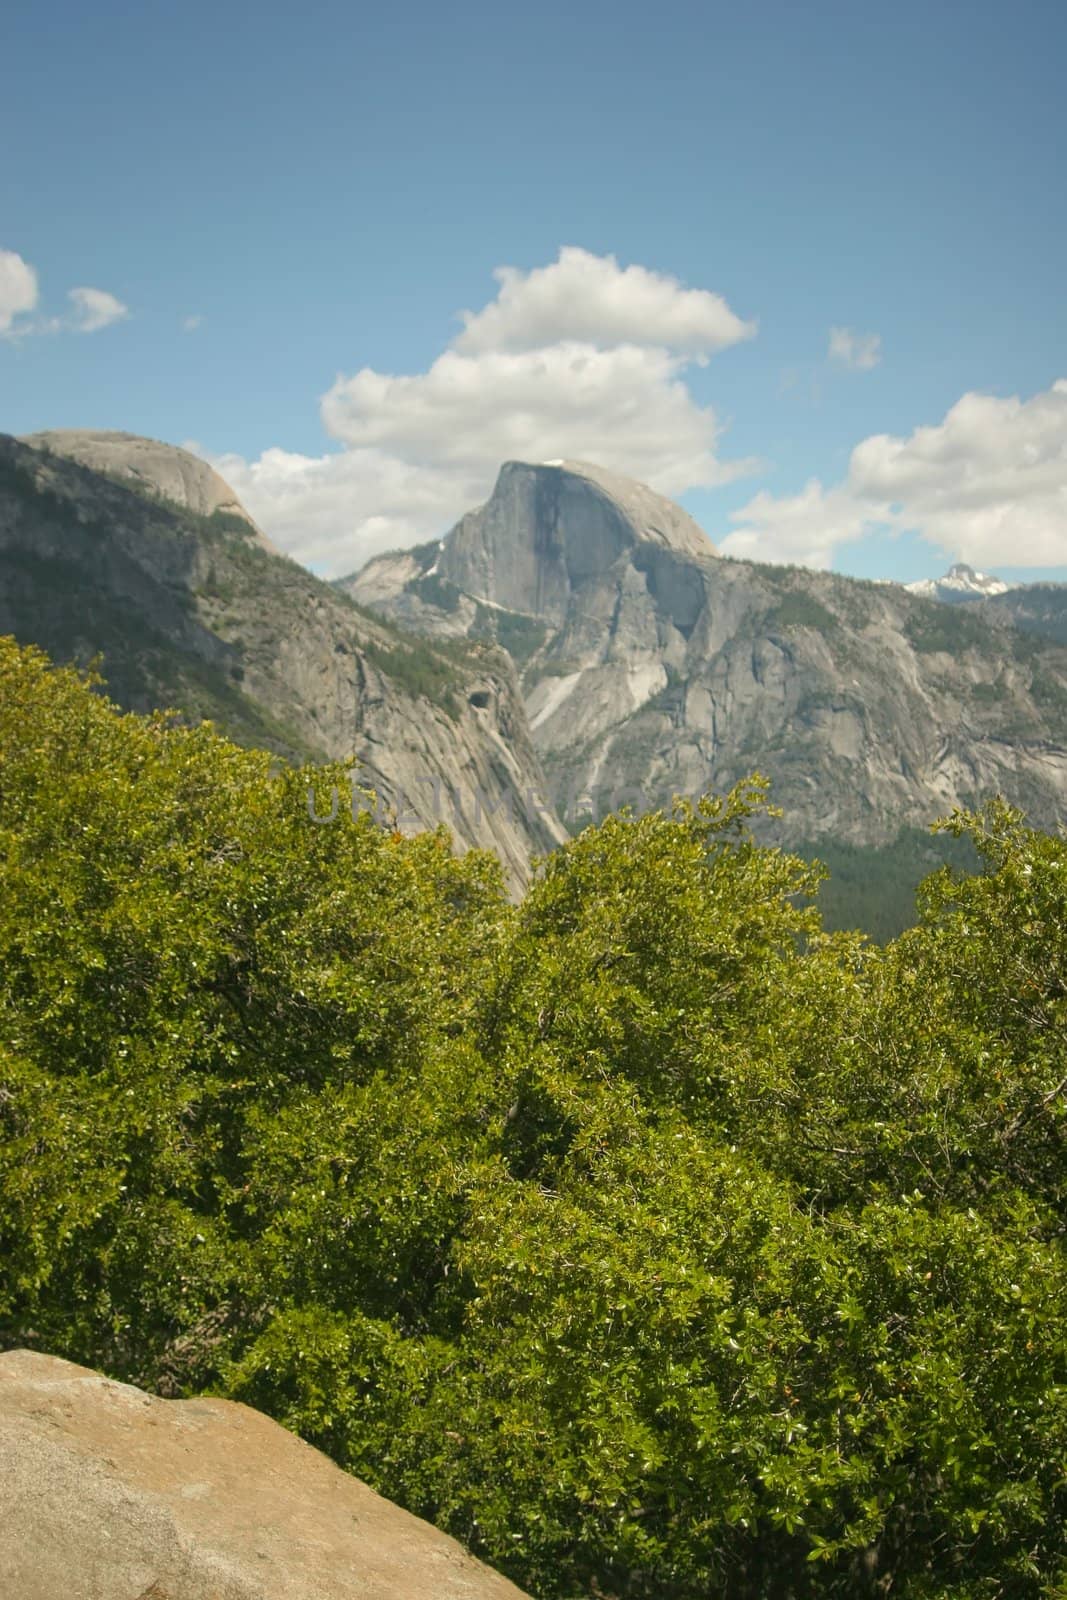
<point x="150" y="466"/>
<point x="107" y="1493"/>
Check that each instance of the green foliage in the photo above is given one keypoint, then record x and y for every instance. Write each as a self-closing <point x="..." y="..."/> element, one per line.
<point x="437" y="591"/>
<point x="56" y="601"/>
<point x="419" y="669"/>
<point x="953" y="629"/>
<point x="800" y="610"/>
<point x="651" y="1240"/>
<point x="519" y="635"/>
<point x="1039" y="608"/>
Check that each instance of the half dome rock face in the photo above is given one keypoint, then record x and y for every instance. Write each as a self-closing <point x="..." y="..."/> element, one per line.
<point x="108" y="1493"/>
<point x="153" y="467"/>
<point x="550" y="528"/>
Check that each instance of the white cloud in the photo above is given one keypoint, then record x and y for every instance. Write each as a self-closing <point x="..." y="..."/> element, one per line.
<point x="804" y="528"/>
<point x="95" y="309"/>
<point x="987" y="485"/>
<point x="582" y="359"/>
<point x="191" y="323"/>
<point x="625" y="408"/>
<point x="858" y="351"/>
<point x="590" y="299"/>
<point x="334" y="512"/>
<point x="18" y="289"/>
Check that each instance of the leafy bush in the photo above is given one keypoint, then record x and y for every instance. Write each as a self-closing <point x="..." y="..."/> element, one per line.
<point x="647" y="1238"/>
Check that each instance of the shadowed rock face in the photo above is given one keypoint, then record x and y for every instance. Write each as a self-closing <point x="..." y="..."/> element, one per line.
<point x="149" y="465"/>
<point x="551" y="529"/>
<point x="110" y="1494"/>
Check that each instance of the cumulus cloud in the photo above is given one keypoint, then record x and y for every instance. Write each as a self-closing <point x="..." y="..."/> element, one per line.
<point x="95" y="309"/>
<point x="626" y="407"/>
<point x="805" y="528"/>
<point x="987" y="485"/>
<point x="858" y="351"/>
<point x="590" y="299"/>
<point x="18" y="289"/>
<point x="191" y="323"/>
<point x="334" y="512"/>
<point x="582" y="358"/>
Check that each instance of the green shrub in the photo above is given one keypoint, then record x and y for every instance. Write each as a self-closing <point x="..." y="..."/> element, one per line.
<point x="645" y="1237"/>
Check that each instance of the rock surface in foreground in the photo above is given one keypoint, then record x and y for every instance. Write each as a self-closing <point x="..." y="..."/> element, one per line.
<point x="108" y="1493"/>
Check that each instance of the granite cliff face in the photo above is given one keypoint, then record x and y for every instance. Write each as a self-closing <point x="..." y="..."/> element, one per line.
<point x="191" y="609"/>
<point x="651" y="667"/>
<point x="556" y="541"/>
<point x="578" y="522"/>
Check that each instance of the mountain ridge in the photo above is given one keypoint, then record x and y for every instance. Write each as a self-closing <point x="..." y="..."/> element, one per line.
<point x="651" y="671"/>
<point x="632" y="663"/>
<point x="195" y="612"/>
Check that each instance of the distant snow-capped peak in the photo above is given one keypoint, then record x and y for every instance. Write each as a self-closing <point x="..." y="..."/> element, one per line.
<point x="960" y="582"/>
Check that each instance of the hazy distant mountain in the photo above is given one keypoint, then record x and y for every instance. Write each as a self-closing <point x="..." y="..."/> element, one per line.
<point x="959" y="583"/>
<point x="156" y="564"/>
<point x="1035" y="608"/>
<point x="651" y="666"/>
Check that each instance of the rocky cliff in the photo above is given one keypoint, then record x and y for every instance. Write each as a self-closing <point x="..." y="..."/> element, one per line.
<point x="110" y="1494"/>
<point x="156" y="469"/>
<point x="650" y="666"/>
<point x="190" y="609"/>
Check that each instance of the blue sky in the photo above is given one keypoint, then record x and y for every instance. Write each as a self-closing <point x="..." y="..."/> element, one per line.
<point x="324" y="188"/>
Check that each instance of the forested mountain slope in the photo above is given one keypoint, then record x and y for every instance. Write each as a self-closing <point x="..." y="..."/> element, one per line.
<point x="194" y="611"/>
